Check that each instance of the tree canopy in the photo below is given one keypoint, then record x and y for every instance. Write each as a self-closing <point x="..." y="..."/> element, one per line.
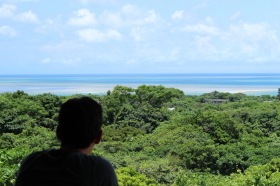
<point x="197" y="142"/>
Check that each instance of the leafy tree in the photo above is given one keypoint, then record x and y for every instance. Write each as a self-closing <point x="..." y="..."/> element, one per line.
<point x="9" y="164"/>
<point x="12" y="122"/>
<point x="157" y="95"/>
<point x="130" y="177"/>
<point x="122" y="134"/>
<point x="50" y="102"/>
<point x="115" y="101"/>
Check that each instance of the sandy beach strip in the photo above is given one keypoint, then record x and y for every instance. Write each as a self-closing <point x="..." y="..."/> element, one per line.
<point x="101" y="89"/>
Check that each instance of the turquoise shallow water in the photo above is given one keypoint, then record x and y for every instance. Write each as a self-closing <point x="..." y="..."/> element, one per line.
<point x="65" y="84"/>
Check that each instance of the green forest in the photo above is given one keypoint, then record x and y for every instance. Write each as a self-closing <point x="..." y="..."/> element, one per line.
<point x="155" y="135"/>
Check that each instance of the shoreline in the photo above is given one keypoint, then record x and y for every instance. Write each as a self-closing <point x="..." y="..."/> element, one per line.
<point x="102" y="90"/>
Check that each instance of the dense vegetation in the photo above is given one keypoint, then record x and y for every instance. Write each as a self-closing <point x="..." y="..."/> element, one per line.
<point x="199" y="142"/>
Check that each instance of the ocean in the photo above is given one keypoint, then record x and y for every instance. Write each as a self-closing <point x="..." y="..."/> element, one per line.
<point x="191" y="84"/>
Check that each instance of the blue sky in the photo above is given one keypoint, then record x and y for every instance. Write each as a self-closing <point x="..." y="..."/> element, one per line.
<point x="143" y="36"/>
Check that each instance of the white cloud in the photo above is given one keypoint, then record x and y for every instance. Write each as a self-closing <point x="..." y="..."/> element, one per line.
<point x="6" y="30"/>
<point x="253" y="32"/>
<point x="74" y="61"/>
<point x="209" y="20"/>
<point x="47" y="24"/>
<point x="83" y="17"/>
<point x="62" y="46"/>
<point x="143" y="33"/>
<point x="137" y="33"/>
<point x="235" y="15"/>
<point x="114" y="34"/>
<point x="130" y="16"/>
<point x="174" y="54"/>
<point x="151" y="17"/>
<point x="200" y="28"/>
<point x="252" y="41"/>
<point x="139" y="17"/>
<point x="93" y="35"/>
<point x="49" y="21"/>
<point x="202" y="44"/>
<point x="85" y="2"/>
<point x="259" y="60"/>
<point x="200" y="6"/>
<point x="177" y="14"/>
<point x="46" y="60"/>
<point x="111" y="19"/>
<point x="249" y="48"/>
<point x="13" y="1"/>
<point x="7" y="10"/>
<point x="130" y="9"/>
<point x="28" y="16"/>
<point x="150" y="53"/>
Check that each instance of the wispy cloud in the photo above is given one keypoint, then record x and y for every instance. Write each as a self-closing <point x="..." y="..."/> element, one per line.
<point x="71" y="62"/>
<point x="235" y="16"/>
<point x="93" y="35"/>
<point x="6" y="30"/>
<point x="177" y="14"/>
<point x="202" y="44"/>
<point x="13" y="1"/>
<point x="104" y="2"/>
<point x="201" y="28"/>
<point x="7" y="10"/>
<point x="46" y="60"/>
<point x="62" y="47"/>
<point x="83" y="17"/>
<point x="28" y="17"/>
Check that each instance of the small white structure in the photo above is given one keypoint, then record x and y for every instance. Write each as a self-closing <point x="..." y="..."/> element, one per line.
<point x="170" y="108"/>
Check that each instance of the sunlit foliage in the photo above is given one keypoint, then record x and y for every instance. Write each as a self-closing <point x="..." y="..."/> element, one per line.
<point x="157" y="136"/>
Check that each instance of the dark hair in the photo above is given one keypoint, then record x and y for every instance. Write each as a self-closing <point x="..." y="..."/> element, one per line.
<point x="79" y="122"/>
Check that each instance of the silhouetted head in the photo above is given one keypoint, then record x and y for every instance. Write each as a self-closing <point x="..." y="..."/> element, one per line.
<point x="79" y="122"/>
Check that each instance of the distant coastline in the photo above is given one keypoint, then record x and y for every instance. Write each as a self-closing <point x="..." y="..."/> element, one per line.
<point x="191" y="84"/>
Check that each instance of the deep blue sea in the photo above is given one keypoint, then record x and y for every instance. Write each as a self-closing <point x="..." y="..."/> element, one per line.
<point x="194" y="84"/>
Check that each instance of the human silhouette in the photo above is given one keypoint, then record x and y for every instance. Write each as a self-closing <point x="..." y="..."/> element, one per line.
<point x="79" y="130"/>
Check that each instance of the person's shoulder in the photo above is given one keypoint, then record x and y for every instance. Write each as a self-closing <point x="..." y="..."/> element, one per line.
<point x="31" y="158"/>
<point x="101" y="163"/>
<point x="104" y="171"/>
<point x="35" y="154"/>
<point x="98" y="160"/>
